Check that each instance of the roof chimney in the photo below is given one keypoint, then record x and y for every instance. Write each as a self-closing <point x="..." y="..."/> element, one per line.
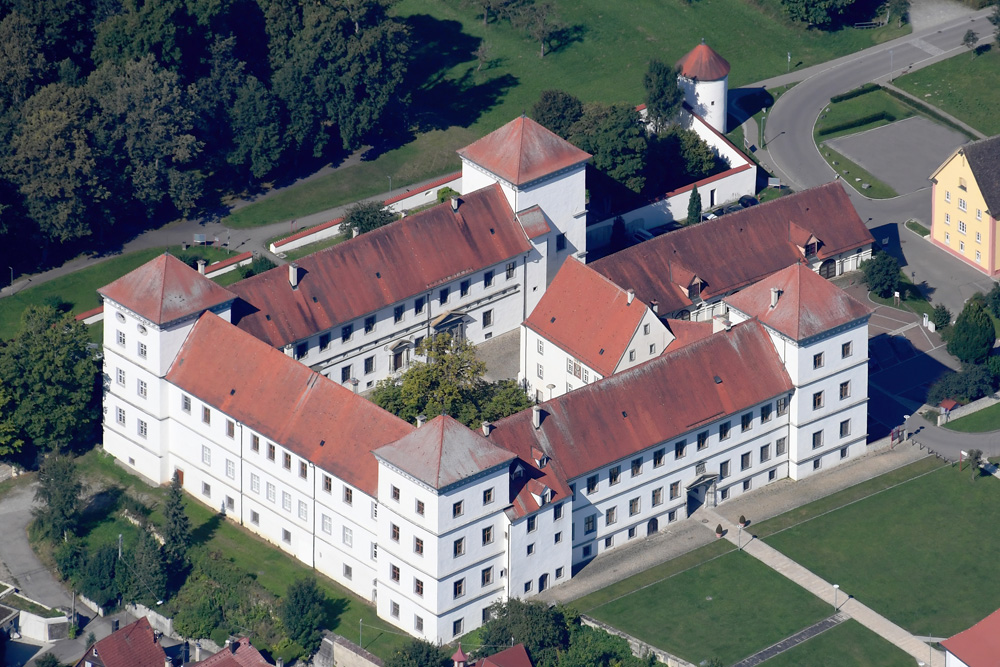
<point x="232" y="646"/>
<point x="775" y="293"/>
<point x="420" y="420"/>
<point x="293" y="275"/>
<point x="487" y="427"/>
<point x="536" y="416"/>
<point x="654" y="305"/>
<point x="201" y="266"/>
<point x="631" y="296"/>
<point x="454" y="204"/>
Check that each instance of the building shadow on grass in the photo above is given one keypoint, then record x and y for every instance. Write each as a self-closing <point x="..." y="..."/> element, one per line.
<point x="100" y="506"/>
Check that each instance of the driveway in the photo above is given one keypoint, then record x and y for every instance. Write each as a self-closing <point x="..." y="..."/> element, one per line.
<point x="23" y="568"/>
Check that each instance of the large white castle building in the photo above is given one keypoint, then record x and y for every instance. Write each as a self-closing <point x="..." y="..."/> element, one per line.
<point x="646" y="417"/>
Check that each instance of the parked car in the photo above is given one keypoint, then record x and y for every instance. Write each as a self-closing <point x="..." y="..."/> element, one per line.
<point x="746" y="201"/>
<point x="640" y="235"/>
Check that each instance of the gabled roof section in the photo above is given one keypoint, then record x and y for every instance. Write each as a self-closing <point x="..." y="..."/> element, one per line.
<point x="380" y="268"/>
<point x="523" y="151"/>
<point x="686" y="332"/>
<point x="515" y="656"/>
<point x="134" y="645"/>
<point x="241" y="653"/>
<point x="165" y="289"/>
<point x="737" y="249"/>
<point x="284" y="401"/>
<point x="533" y="221"/>
<point x="984" y="160"/>
<point x="703" y="63"/>
<point x="978" y="646"/>
<point x="587" y="316"/>
<point x="808" y="304"/>
<point x="654" y="402"/>
<point x="443" y="452"/>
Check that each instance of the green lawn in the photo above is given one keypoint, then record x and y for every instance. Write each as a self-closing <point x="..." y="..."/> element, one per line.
<point x="17" y="602"/>
<point x="956" y="86"/>
<point x="603" y="59"/>
<point x="911" y="298"/>
<point x="727" y="608"/>
<point x="911" y="552"/>
<point x="846" y="645"/>
<point x="915" y="226"/>
<point x="293" y="255"/>
<point x="874" y="102"/>
<point x="272" y="568"/>
<point x="987" y="419"/>
<point x="850" y="173"/>
<point x="78" y="290"/>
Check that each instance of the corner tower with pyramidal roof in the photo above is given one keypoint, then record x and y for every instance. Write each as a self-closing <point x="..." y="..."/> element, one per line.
<point x="704" y="78"/>
<point x="543" y="177"/>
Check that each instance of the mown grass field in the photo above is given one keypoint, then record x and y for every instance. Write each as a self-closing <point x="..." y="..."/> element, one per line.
<point x="849" y="644"/>
<point x="603" y="57"/>
<point x="987" y="419"/>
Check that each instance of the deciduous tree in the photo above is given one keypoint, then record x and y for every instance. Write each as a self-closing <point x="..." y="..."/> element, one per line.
<point x="539" y="21"/>
<point x="557" y="111"/>
<point x="969" y="41"/>
<point x="367" y="216"/>
<point x="820" y="13"/>
<point x="664" y="96"/>
<point x="419" y="653"/>
<point x="542" y="629"/>
<point x="881" y="274"/>
<point x="616" y="138"/>
<point x="302" y="613"/>
<point x="58" y="491"/>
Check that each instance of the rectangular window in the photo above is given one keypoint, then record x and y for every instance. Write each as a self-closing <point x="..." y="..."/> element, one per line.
<point x="369" y="365"/>
<point x="746" y="460"/>
<point x="724" y="430"/>
<point x="457" y="509"/>
<point x="397" y="314"/>
<point x="590" y="524"/>
<point x="255" y="482"/>
<point x="725" y="494"/>
<point x="765" y="453"/>
<point x="303" y="470"/>
<point x="255" y="443"/>
<point x="121" y="376"/>
<point x="817" y="400"/>
<point x="846" y="350"/>
<point x="746" y="421"/>
<point x="206" y="489"/>
<point x="511" y="267"/>
<point x="143" y="429"/>
<point x="817" y="464"/>
<point x="418" y="624"/>
<point x="845" y="390"/>
<point x="443" y="294"/>
<point x="979" y="256"/>
<point x="747" y="483"/>
<point x="301" y="350"/>
<point x="724" y="470"/>
<point x="634" y="507"/>
<point x="120" y="416"/>
<point x="657" y="498"/>
<point x="121" y="338"/>
<point x="702" y="440"/>
<point x="394" y="609"/>
<point x="230" y="428"/>
<point x="557" y="512"/>
<point x="457" y="627"/>
<point x="780" y="446"/>
<point x="843" y="452"/>
<point x="418" y="305"/>
<point x="458" y="548"/>
<point x="186" y="404"/>
<point x="418" y="588"/>
<point x="487" y="318"/>
<point x="142" y="389"/>
<point x="418" y="546"/>
<point x="592" y="484"/>
<point x="286" y="461"/>
<point x="557" y="538"/>
<point x="845" y="428"/>
<point x="230" y="469"/>
<point x="652" y="349"/>
<point x="206" y="455"/>
<point x="675" y="490"/>
<point x="286" y="536"/>
<point x="947" y="195"/>
<point x="458" y="588"/>
<point x="560" y="242"/>
<point x="348" y="537"/>
<point x="286" y="501"/>
<point x="345" y="373"/>
<point x="206" y="415"/>
<point x="540" y="371"/>
<point x="782" y="406"/>
<point x="394" y="573"/>
<point x="772" y="475"/>
<point x="463" y="288"/>
<point x="947" y="218"/>
<point x="488" y="535"/>
<point x="324" y="341"/>
<point x="962" y="205"/>
<point x="817" y="439"/>
<point x="636" y="467"/>
<point x="979" y="216"/>
<point x="488" y="496"/>
<point x="394" y="532"/>
<point x="532" y="524"/>
<point x="348" y="495"/>
<point x="488" y="279"/>
<point x="346" y="332"/>
<point x="420" y="507"/>
<point x="142" y="350"/>
<point x="369" y="324"/>
<point x="609" y="542"/>
<point x="614" y="475"/>
<point x="947" y="238"/>
<point x="658" y="457"/>
<point x="531" y="549"/>
<point x="254" y="518"/>
<point x="394" y="493"/>
<point x="587" y="551"/>
<point x="540" y="346"/>
<point x="765" y="413"/>
<point x="818" y="360"/>
<point x="270" y="451"/>
<point x="303" y="511"/>
<point x="631" y="355"/>
<point x="271" y="492"/>
<point x="610" y="516"/>
<point x="486" y="576"/>
<point x="961" y="227"/>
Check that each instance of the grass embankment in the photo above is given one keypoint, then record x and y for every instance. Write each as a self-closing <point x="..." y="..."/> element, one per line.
<point x="602" y="58"/>
<point x="956" y="86"/>
<point x="271" y="567"/>
<point x="907" y="552"/>
<point x="24" y="604"/>
<point x="987" y="419"/>
<point x="915" y="226"/>
<point x="77" y="292"/>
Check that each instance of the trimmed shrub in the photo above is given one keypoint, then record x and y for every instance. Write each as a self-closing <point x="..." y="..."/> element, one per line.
<point x="857" y="92"/>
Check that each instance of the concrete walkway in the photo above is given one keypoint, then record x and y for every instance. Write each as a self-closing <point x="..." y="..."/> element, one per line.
<point x="841" y="600"/>
<point x="948" y="443"/>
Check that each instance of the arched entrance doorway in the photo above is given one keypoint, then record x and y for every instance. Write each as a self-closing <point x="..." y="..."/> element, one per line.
<point x="828" y="269"/>
<point x="652" y="526"/>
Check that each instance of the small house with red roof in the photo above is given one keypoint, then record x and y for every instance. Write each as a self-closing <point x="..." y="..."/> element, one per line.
<point x="135" y="645"/>
<point x="237" y="653"/>
<point x="979" y="646"/>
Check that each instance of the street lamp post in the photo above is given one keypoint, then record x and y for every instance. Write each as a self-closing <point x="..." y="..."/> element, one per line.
<point x="763" y="132"/>
<point x="890" y="65"/>
<point x="836" y="587"/>
<point x="390" y="186"/>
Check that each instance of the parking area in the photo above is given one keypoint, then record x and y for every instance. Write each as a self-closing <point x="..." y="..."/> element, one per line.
<point x="904" y="154"/>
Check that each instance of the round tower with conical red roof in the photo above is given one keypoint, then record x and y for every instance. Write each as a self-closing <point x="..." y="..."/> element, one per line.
<point x="704" y="77"/>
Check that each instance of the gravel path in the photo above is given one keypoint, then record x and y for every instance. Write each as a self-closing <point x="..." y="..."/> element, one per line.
<point x="929" y="13"/>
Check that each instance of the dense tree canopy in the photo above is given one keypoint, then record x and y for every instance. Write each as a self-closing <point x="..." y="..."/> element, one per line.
<point x="419" y="653"/>
<point x="973" y="336"/>
<point x="367" y="216"/>
<point x="302" y="613"/>
<point x="821" y="13"/>
<point x="664" y="96"/>
<point x="543" y="630"/>
<point x="881" y="274"/>
<point x="557" y="111"/>
<point x="616" y="137"/>
<point x="58" y="493"/>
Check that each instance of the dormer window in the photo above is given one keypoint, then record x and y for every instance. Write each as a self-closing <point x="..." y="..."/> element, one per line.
<point x="694" y="290"/>
<point x="811" y="248"/>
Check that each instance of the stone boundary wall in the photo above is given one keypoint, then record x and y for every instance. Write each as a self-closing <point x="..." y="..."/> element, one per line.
<point x="968" y="409"/>
<point x="337" y="651"/>
<point x="639" y="648"/>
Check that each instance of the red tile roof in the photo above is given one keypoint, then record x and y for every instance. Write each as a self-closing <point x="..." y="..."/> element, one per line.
<point x="737" y="249"/>
<point x="515" y="656"/>
<point x="686" y="332"/>
<point x="165" y="289"/>
<point x="651" y="403"/>
<point x="443" y="452"/>
<point x="704" y="64"/>
<point x="523" y="151"/>
<point x="534" y="222"/>
<point x="979" y="646"/>
<point x="284" y="401"/>
<point x="587" y="315"/>
<point x="807" y="304"/>
<point x="241" y="653"/>
<point x="385" y="266"/>
<point x="134" y="645"/>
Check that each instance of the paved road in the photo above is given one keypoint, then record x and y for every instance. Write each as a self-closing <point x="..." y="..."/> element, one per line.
<point x="27" y="572"/>
<point x="950" y="444"/>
